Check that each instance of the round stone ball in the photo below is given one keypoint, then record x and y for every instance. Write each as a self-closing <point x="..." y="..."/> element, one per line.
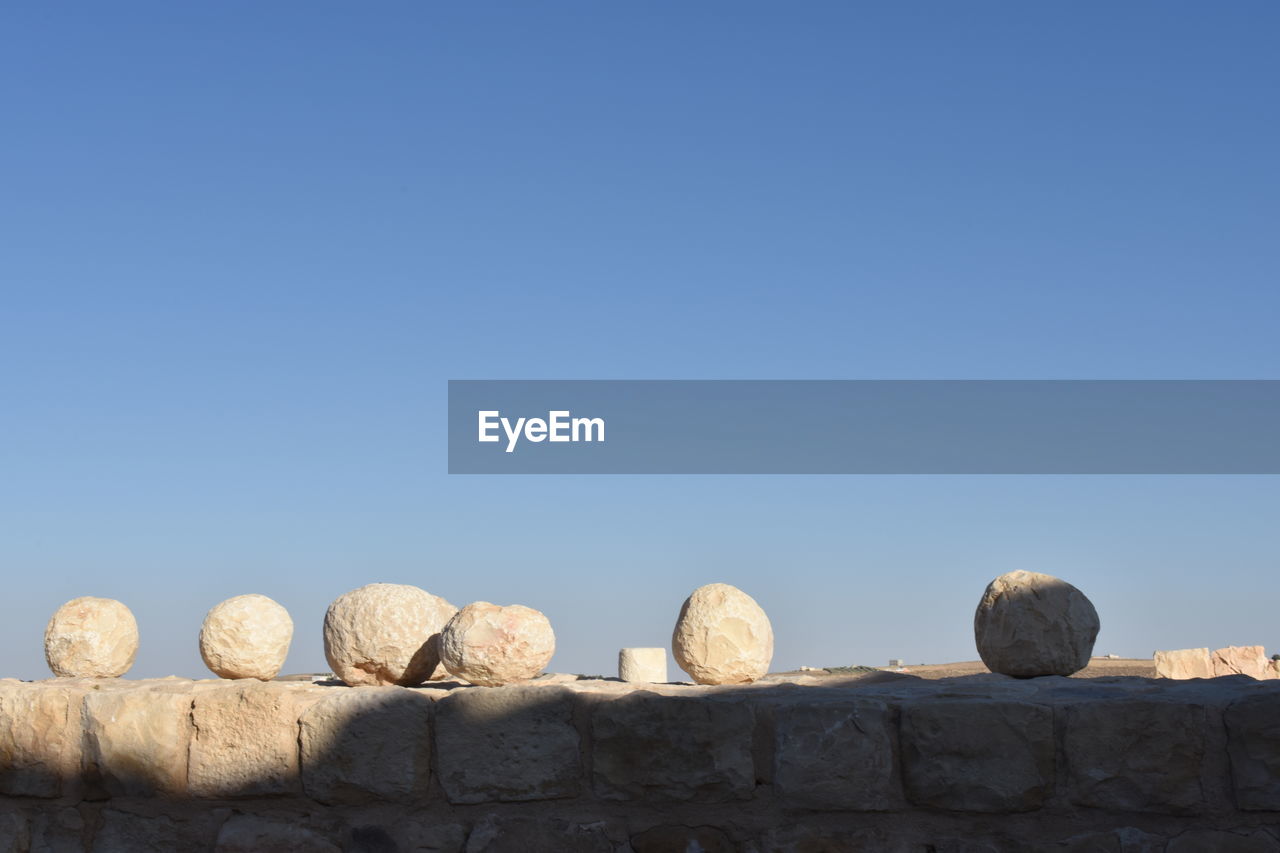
<point x="246" y="637"/>
<point x="722" y="636"/>
<point x="491" y="645"/>
<point x="91" y="638"/>
<point x="1029" y="624"/>
<point x="385" y="633"/>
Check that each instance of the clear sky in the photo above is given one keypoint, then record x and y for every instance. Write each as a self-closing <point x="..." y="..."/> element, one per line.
<point x="243" y="246"/>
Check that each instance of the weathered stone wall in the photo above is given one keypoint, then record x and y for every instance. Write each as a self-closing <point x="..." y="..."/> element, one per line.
<point x="885" y="763"/>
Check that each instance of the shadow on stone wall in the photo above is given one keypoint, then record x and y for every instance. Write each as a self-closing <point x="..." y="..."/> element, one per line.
<point x="879" y="764"/>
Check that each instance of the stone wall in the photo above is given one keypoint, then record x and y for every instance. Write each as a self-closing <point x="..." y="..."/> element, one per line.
<point x="882" y="763"/>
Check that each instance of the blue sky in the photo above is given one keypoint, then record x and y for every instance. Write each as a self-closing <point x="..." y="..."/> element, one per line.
<point x="243" y="247"/>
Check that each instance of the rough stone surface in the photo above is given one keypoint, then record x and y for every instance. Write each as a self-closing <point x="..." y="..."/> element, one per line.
<point x="1184" y="663"/>
<point x="835" y="755"/>
<point x="253" y="834"/>
<point x="643" y="665"/>
<point x="385" y="633"/>
<point x="668" y="748"/>
<point x="722" y="636"/>
<point x="91" y="638"/>
<point x="1253" y="742"/>
<point x="40" y="739"/>
<point x="496" y="834"/>
<point x="510" y="744"/>
<point x="1242" y="660"/>
<point x="347" y="755"/>
<point x="665" y="839"/>
<point x="246" y="739"/>
<point x="491" y="645"/>
<point x="978" y="755"/>
<point x="1029" y="624"/>
<point x="136" y="741"/>
<point x="1221" y="841"/>
<point x="246" y="637"/>
<point x="887" y="762"/>
<point x="1136" y="755"/>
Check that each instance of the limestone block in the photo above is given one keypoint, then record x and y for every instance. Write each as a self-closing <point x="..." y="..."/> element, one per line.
<point x="40" y="739"/>
<point x="1030" y="624"/>
<point x="246" y="636"/>
<point x="371" y="744"/>
<point x="803" y="837"/>
<point x="673" y="748"/>
<point x="722" y="636"/>
<point x="491" y="645"/>
<point x="245" y="833"/>
<point x="1136" y="755"/>
<point x="835" y="755"/>
<point x="664" y="839"/>
<point x="385" y="633"/>
<point x="246" y="739"/>
<point x="977" y="755"/>
<point x="1253" y="743"/>
<point x="1242" y="660"/>
<point x="495" y="834"/>
<point x="91" y="637"/>
<point x="508" y="744"/>
<point x="1184" y="663"/>
<point x="1223" y="841"/>
<point x="128" y="832"/>
<point x="643" y="665"/>
<point x="137" y="741"/>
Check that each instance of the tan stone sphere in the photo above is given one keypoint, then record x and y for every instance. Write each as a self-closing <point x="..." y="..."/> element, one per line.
<point x="91" y="638"/>
<point x="491" y="645"/>
<point x="722" y="636"/>
<point x="1030" y="624"/>
<point x="246" y="636"/>
<point x="385" y="633"/>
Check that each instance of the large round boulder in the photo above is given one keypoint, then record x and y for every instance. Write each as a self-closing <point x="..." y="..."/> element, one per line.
<point x="385" y="633"/>
<point x="246" y="637"/>
<point x="491" y="645"/>
<point x="722" y="636"/>
<point x="1029" y="624"/>
<point x="91" y="638"/>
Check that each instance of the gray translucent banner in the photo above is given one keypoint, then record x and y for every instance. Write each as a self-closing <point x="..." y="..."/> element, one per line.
<point x="864" y="427"/>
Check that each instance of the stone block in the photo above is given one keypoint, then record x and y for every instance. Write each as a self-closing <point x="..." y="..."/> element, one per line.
<point x="508" y="744"/>
<point x="1253" y="744"/>
<point x="246" y="736"/>
<point x="835" y="755"/>
<point x="244" y="833"/>
<point x="1184" y="663"/>
<point x="1242" y="660"/>
<point x="40" y="739"/>
<point x="128" y="832"/>
<point x="666" y="839"/>
<point x="670" y="748"/>
<point x="364" y="744"/>
<point x="977" y="755"/>
<point x="496" y="834"/>
<point x="136" y="741"/>
<point x="1223" y="841"/>
<point x="1136" y="755"/>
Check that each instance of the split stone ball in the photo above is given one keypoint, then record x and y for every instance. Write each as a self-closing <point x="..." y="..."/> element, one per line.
<point x="91" y="638"/>
<point x="491" y="645"/>
<point x="246" y="636"/>
<point x="722" y="636"/>
<point x="385" y="633"/>
<point x="1030" y="624"/>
